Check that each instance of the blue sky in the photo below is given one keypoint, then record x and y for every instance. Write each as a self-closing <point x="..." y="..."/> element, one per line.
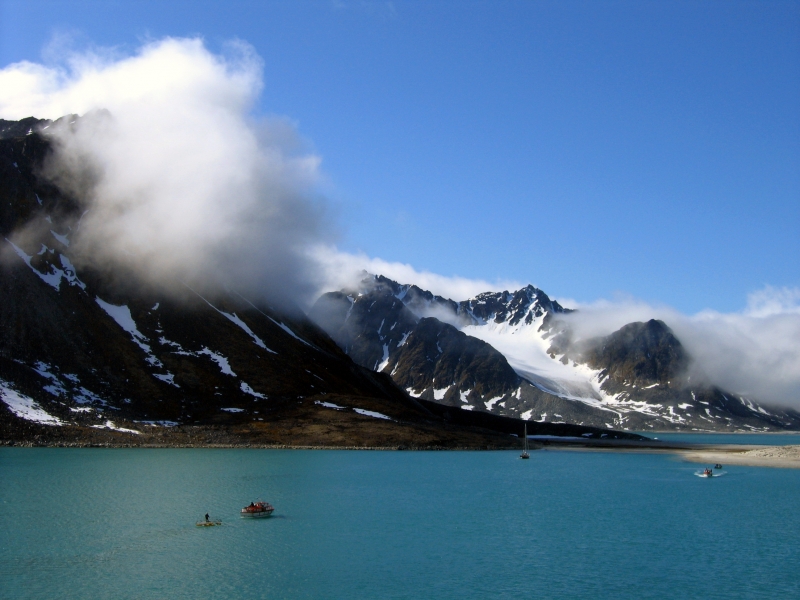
<point x="590" y="148"/>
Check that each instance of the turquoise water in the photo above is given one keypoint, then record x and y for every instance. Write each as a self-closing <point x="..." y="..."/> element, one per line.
<point x="103" y="523"/>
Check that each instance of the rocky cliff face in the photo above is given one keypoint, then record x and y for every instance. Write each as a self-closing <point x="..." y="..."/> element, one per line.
<point x="523" y="307"/>
<point x="508" y="353"/>
<point x="381" y="328"/>
<point x="638" y="354"/>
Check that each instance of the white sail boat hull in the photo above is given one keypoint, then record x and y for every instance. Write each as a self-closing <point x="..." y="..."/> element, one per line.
<point x="525" y="444"/>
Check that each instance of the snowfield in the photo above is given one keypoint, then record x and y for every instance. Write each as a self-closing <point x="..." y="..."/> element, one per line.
<point x="25" y="407"/>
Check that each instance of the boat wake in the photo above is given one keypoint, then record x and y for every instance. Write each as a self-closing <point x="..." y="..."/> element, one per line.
<point x="705" y="475"/>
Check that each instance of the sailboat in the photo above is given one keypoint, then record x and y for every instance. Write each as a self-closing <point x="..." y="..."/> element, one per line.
<point x="525" y="444"/>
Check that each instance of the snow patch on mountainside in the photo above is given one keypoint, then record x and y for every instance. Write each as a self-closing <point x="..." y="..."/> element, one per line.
<point x="372" y="413"/>
<point x="490" y="403"/>
<point x="122" y="316"/>
<point x="526" y="351"/>
<point x="248" y="390"/>
<point x="53" y="278"/>
<point x="221" y="361"/>
<point x="61" y="238"/>
<point x="290" y="332"/>
<point x="57" y="387"/>
<point x="166" y="378"/>
<point x="110" y="425"/>
<point x="384" y="360"/>
<point x="26" y="407"/>
<point x="439" y="394"/>
<point x="329" y="405"/>
<point x="233" y="318"/>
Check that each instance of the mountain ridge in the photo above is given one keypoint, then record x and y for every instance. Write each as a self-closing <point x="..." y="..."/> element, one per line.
<point x="634" y="378"/>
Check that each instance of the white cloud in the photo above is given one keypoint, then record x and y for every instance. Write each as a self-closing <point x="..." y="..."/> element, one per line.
<point x="173" y="74"/>
<point x="754" y="353"/>
<point x="773" y="301"/>
<point x="342" y="269"/>
<point x="180" y="181"/>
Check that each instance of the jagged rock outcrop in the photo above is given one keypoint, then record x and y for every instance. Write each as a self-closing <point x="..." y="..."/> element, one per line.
<point x="638" y="353"/>
<point x="425" y="356"/>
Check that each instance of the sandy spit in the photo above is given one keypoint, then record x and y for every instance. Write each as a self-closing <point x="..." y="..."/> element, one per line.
<point x="782" y="457"/>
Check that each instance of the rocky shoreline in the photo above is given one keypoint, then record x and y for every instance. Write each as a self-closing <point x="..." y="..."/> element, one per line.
<point x="785" y="457"/>
<point x="370" y="434"/>
<point x="7" y="443"/>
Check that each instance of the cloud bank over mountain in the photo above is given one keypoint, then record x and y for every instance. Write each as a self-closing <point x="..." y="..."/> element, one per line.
<point x="754" y="352"/>
<point x="344" y="270"/>
<point x="179" y="181"/>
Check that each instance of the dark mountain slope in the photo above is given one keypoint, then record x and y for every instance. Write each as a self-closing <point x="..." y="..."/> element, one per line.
<point x="436" y="356"/>
<point x="366" y="325"/>
<point x="423" y="355"/>
<point x="92" y="346"/>
<point x="638" y="353"/>
<point x="89" y="356"/>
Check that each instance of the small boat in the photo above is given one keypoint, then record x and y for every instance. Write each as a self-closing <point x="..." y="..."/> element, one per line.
<point x="525" y="444"/>
<point x="707" y="473"/>
<point x="258" y="510"/>
<point x="208" y="522"/>
<point x="717" y="466"/>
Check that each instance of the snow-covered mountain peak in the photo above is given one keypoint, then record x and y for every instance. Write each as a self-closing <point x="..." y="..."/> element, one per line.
<point x="527" y="306"/>
<point x="506" y="353"/>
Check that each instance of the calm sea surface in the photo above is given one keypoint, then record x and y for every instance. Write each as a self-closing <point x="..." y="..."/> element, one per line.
<point x="102" y="523"/>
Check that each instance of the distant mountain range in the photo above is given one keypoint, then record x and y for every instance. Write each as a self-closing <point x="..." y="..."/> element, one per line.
<point x="508" y="353"/>
<point x="92" y="354"/>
